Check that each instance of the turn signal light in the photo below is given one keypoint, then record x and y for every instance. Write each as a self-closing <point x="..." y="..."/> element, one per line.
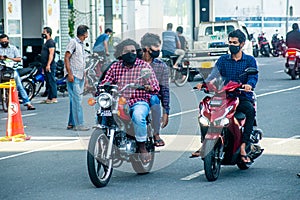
<point x="91" y="101"/>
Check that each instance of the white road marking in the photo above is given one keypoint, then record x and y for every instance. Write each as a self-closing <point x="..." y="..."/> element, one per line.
<point x="192" y="176"/>
<point x="39" y="149"/>
<point x="26" y="115"/>
<point x="280" y="71"/>
<point x="288" y="139"/>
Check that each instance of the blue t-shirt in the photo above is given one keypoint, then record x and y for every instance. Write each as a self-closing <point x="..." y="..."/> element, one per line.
<point x="170" y="38"/>
<point x="99" y="45"/>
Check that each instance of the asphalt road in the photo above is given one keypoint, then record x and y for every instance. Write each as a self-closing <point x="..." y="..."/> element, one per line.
<point x="52" y="165"/>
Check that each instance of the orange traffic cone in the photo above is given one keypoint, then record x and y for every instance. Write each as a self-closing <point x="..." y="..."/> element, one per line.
<point x="14" y="126"/>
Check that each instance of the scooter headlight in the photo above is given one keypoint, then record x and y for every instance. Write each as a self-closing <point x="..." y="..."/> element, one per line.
<point x="203" y="121"/>
<point x="105" y="100"/>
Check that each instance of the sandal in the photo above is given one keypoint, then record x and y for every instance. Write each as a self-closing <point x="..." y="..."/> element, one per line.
<point x="159" y="143"/>
<point x="196" y="154"/>
<point x="145" y="157"/>
<point x="246" y="158"/>
<point x="30" y="107"/>
<point x="70" y="127"/>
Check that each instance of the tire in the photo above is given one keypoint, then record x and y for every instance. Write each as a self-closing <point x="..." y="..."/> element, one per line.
<point x="29" y="88"/>
<point x="181" y="76"/>
<point x="267" y="51"/>
<point x="255" y="53"/>
<point x="274" y="53"/>
<point x="99" y="169"/>
<point x="138" y="166"/>
<point x="5" y="99"/>
<point x="293" y="74"/>
<point x="212" y="165"/>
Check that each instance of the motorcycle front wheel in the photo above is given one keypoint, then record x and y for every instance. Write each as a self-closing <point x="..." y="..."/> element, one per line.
<point x="274" y="53"/>
<point x="212" y="161"/>
<point x="99" y="168"/>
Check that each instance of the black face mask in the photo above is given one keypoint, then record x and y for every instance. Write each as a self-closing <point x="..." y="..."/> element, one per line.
<point x="234" y="49"/>
<point x="44" y="36"/>
<point x="4" y="44"/>
<point x="129" y="58"/>
<point x="154" y="54"/>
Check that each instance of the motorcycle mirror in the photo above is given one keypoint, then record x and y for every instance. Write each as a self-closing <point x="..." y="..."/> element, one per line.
<point x="145" y="73"/>
<point x="251" y="71"/>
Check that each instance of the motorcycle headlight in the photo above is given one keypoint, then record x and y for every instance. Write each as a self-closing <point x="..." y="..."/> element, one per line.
<point x="105" y="100"/>
<point x="203" y="121"/>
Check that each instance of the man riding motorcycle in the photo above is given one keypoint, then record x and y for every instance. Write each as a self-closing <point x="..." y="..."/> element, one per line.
<point x="230" y="67"/>
<point x="293" y="37"/>
<point x="125" y="71"/>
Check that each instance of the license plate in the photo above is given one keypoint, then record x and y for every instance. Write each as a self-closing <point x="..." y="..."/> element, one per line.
<point x="206" y="65"/>
<point x="105" y="113"/>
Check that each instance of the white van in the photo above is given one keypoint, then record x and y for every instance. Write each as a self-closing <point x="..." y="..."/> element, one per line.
<point x="214" y="35"/>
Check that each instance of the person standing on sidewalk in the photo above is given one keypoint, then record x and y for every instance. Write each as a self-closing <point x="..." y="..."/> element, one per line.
<point x="47" y="59"/>
<point x="74" y="64"/>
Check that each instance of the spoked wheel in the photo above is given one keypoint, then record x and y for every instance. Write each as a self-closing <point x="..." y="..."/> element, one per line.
<point x="99" y="168"/>
<point x="212" y="162"/>
<point x="181" y="76"/>
<point x="4" y="99"/>
<point x="140" y="167"/>
<point x="29" y="88"/>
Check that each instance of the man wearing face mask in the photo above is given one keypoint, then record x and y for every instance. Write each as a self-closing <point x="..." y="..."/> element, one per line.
<point x="47" y="59"/>
<point x="8" y="51"/>
<point x="151" y="49"/>
<point x="74" y="65"/>
<point x="230" y="67"/>
<point x="128" y="70"/>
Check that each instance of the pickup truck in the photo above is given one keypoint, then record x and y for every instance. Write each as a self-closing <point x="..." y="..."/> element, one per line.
<point x="210" y="43"/>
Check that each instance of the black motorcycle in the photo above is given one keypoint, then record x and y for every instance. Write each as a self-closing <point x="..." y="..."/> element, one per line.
<point x="113" y="140"/>
<point x="278" y="46"/>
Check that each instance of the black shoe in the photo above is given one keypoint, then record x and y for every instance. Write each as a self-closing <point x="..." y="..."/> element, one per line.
<point x="45" y="94"/>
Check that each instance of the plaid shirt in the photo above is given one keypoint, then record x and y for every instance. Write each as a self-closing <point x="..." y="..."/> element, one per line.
<point x="162" y="74"/>
<point x="121" y="75"/>
<point x="231" y="70"/>
<point x="11" y="51"/>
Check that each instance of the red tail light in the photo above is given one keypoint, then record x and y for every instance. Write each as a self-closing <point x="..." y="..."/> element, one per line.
<point x="291" y="52"/>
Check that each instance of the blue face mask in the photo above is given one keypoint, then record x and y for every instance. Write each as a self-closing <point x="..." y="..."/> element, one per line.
<point x="234" y="49"/>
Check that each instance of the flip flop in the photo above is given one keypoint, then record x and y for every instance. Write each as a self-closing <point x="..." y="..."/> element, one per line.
<point x="196" y="154"/>
<point x="145" y="157"/>
<point x="159" y="143"/>
<point x="246" y="157"/>
<point x="70" y="127"/>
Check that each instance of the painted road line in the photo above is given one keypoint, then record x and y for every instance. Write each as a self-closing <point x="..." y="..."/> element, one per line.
<point x="26" y="115"/>
<point x="192" y="176"/>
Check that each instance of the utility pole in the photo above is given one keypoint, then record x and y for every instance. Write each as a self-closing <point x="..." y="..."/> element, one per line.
<point x="287" y="16"/>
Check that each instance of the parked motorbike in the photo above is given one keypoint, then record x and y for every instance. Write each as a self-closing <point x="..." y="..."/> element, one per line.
<point x="222" y="127"/>
<point x="264" y="46"/>
<point x="113" y="140"/>
<point x="6" y="74"/>
<point x="292" y="62"/>
<point x="254" y="45"/>
<point x="180" y="74"/>
<point x="278" y="46"/>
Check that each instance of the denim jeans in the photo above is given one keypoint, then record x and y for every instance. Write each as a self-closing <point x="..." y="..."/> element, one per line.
<point x="155" y="112"/>
<point x="76" y="113"/>
<point x="20" y="88"/>
<point x="51" y="83"/>
<point x="139" y="111"/>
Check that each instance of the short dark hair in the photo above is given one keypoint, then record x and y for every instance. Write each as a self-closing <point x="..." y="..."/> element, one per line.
<point x="150" y="39"/>
<point x="81" y="30"/>
<point x="295" y="26"/>
<point x="169" y="26"/>
<point x="48" y="30"/>
<point x="238" y="34"/>
<point x="4" y="36"/>
<point x="119" y="48"/>
<point x="179" y="29"/>
<point x="108" y="30"/>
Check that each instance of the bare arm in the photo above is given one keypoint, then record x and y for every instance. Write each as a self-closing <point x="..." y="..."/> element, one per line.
<point x="67" y="66"/>
<point x="51" y="56"/>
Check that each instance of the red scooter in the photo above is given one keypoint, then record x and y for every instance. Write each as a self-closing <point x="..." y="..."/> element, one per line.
<point x="292" y="62"/>
<point x="222" y="128"/>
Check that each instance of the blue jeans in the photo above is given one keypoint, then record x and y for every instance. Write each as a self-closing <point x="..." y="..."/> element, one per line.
<point x="139" y="111"/>
<point x="75" y="90"/>
<point x="155" y="112"/>
<point x="20" y="88"/>
<point x="51" y="83"/>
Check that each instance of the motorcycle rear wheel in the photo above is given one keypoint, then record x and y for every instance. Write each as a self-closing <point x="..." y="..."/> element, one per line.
<point x="212" y="163"/>
<point x="99" y="168"/>
<point x="181" y="76"/>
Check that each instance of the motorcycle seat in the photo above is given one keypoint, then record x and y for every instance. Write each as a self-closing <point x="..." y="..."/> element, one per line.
<point x="239" y="115"/>
<point x="24" y="71"/>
